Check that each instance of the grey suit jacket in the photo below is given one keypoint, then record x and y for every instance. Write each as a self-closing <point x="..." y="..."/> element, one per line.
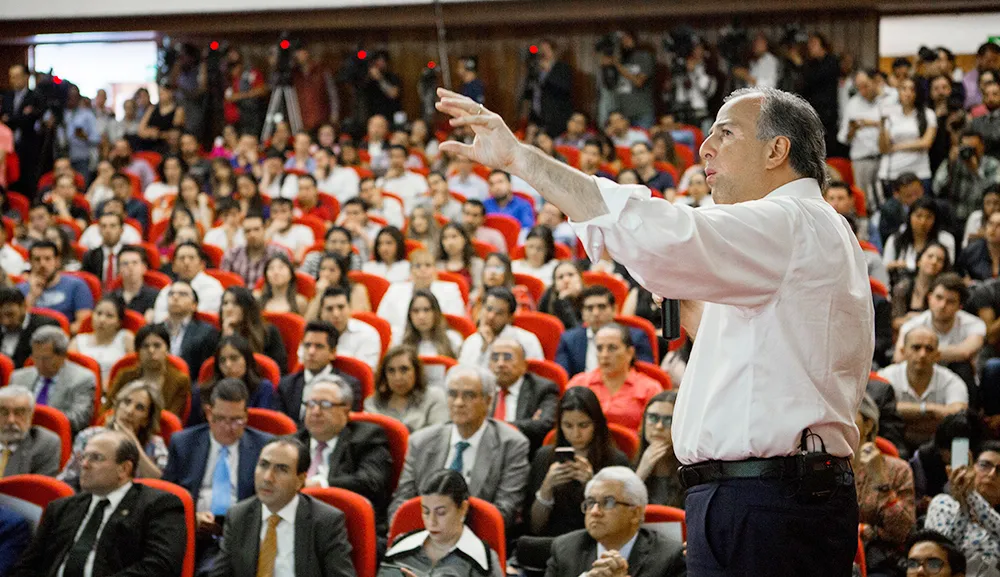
<point x="72" y="391"/>
<point x="321" y="545"/>
<point x="499" y="475"/>
<point x="653" y="555"/>
<point x="37" y="454"/>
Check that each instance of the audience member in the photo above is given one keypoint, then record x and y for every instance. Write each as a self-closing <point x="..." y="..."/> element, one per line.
<point x="108" y="341"/>
<point x="577" y="351"/>
<point x="280" y="293"/>
<point x="455" y="253"/>
<point x="153" y="345"/>
<point x="189" y="265"/>
<point x="229" y="234"/>
<point x="332" y="177"/>
<point x="133" y="264"/>
<point x="974" y="228"/>
<point x="249" y="260"/>
<point x="47" y="287"/>
<point x="495" y="322"/>
<point x="907" y="133"/>
<point x="474" y="219"/>
<point x="930" y="462"/>
<point x="980" y="260"/>
<point x="357" y="339"/>
<point x="657" y="465"/>
<point x="283" y="231"/>
<point x="389" y="259"/>
<point x="427" y="331"/>
<point x="931" y="553"/>
<point x="401" y="391"/>
<point x="642" y="162"/>
<point x="15" y="536"/>
<point x="909" y="294"/>
<point x="466" y="182"/>
<point x="423" y="228"/>
<point x="25" y="448"/>
<point x="964" y="177"/>
<point x="423" y="273"/>
<point x="523" y="399"/>
<point x="121" y="188"/>
<point x="502" y="200"/>
<point x="240" y="315"/>
<point x="102" y="261"/>
<point x="379" y="205"/>
<point x="924" y="225"/>
<point x="539" y="258"/>
<point x="987" y="124"/>
<point x="18" y="325"/>
<point x="92" y="238"/>
<point x="410" y="186"/>
<point x="563" y="299"/>
<point x="234" y="359"/>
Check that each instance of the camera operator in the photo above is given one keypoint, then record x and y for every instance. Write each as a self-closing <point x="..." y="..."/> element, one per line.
<point x="549" y="94"/>
<point x="20" y="109"/>
<point x="246" y="95"/>
<point x="191" y="79"/>
<point x="947" y="107"/>
<point x="821" y="76"/>
<point x="764" y="67"/>
<point x="989" y="124"/>
<point x="315" y="89"/>
<point x="693" y="88"/>
<point x="472" y="85"/>
<point x="625" y="80"/>
<point x="962" y="180"/>
<point x="381" y="89"/>
<point x="78" y="133"/>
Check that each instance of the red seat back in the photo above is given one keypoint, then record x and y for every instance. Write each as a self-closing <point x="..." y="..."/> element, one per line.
<point x="548" y="328"/>
<point x="274" y="422"/>
<point x="549" y="370"/>
<point x="534" y="285"/>
<point x="187" y="569"/>
<point x="484" y="519"/>
<point x="844" y="167"/>
<point x="56" y="315"/>
<point x="878" y="287"/>
<point x="226" y="278"/>
<point x="153" y="278"/>
<point x="507" y="225"/>
<point x="461" y="324"/>
<point x="656" y="373"/>
<point x="646" y="327"/>
<point x="6" y="368"/>
<point x="266" y="368"/>
<point x="170" y="424"/>
<point x="36" y="489"/>
<point x="133" y="321"/>
<point x="463" y="285"/>
<point x="55" y="421"/>
<point x="665" y="514"/>
<point x="886" y="447"/>
<point x="359" y="370"/>
<point x="292" y="328"/>
<point x="483" y="249"/>
<point x="379" y="324"/>
<point x="375" y="284"/>
<point x="399" y="439"/>
<point x="359" y="518"/>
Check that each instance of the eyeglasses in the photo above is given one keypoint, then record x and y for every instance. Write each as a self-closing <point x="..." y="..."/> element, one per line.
<point x="229" y="421"/>
<point x="986" y="467"/>
<point x="466" y="395"/>
<point x="92" y="456"/>
<point x="652" y="419"/>
<point x="606" y="503"/>
<point x="933" y="565"/>
<point x="325" y="405"/>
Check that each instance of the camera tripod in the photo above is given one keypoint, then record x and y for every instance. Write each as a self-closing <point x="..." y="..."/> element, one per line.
<point x="283" y="97"/>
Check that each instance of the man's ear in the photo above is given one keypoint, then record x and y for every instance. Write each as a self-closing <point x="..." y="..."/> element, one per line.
<point x="778" y="152"/>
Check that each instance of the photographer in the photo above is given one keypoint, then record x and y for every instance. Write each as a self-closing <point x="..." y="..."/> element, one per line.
<point x="963" y="179"/>
<point x="550" y="94"/>
<point x="625" y="80"/>
<point x="472" y="85"/>
<point x="381" y="89"/>
<point x="947" y="107"/>
<point x="693" y="88"/>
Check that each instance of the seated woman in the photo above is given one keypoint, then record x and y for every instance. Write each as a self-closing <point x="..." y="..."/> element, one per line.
<point x="909" y="295"/>
<point x="171" y="169"/>
<point x="886" y="507"/>
<point x="137" y="409"/>
<point x="497" y="273"/>
<point x="390" y="256"/>
<point x="61" y="238"/>
<point x="974" y="226"/>
<point x="422" y="276"/>
<point x="968" y="514"/>
<point x="427" y="329"/>
<point x="622" y="390"/>
<point x="234" y="360"/>
<point x="109" y="341"/>
<point x="457" y="254"/>
<point x="180" y="217"/>
<point x="422" y="227"/>
<point x="980" y="260"/>
<point x="698" y="191"/>
<point x="280" y="293"/>
<point x="446" y="546"/>
<point x="251" y="201"/>
<point x="191" y="197"/>
<point x="153" y="345"/>
<point x="559" y="473"/>
<point x="923" y="227"/>
<point x="562" y="298"/>
<point x="333" y="272"/>
<point x="240" y="315"/>
<point x="401" y="391"/>
<point x="658" y="464"/>
<point x="338" y="241"/>
<point x="539" y="255"/>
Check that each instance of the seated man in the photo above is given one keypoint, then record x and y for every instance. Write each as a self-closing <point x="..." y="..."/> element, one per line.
<point x="319" y="345"/>
<point x="502" y="200"/>
<point x="642" y="162"/>
<point x="590" y="159"/>
<point x="15" y="536"/>
<point x="133" y="263"/>
<point x="614" y="542"/>
<point x="410" y="186"/>
<point x="466" y="182"/>
<point x="48" y="288"/>
<point x="190" y="339"/>
<point x="960" y="334"/>
<point x="189" y="266"/>
<point x="495" y="321"/>
<point x="307" y="201"/>
<point x="248" y="260"/>
<point x="297" y="238"/>
<point x="473" y="221"/>
<point x="492" y="456"/>
<point x="931" y="553"/>
<point x="357" y="339"/>
<point x="91" y="237"/>
<point x="250" y="546"/>
<point x="17" y="326"/>
<point x="56" y="382"/>
<point x="102" y="261"/>
<point x="25" y="448"/>
<point x="524" y="399"/>
<point x="215" y="461"/>
<point x="621" y="132"/>
<point x="40" y="217"/>
<point x="61" y="199"/>
<point x="352" y="455"/>
<point x="926" y="392"/>
<point x="135" y="208"/>
<point x="113" y="526"/>
<point x="378" y="205"/>
<point x="577" y="352"/>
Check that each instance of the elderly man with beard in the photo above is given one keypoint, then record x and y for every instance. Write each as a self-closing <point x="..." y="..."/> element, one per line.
<point x="24" y="448"/>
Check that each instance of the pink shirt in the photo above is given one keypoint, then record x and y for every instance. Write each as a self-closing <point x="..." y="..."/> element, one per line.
<point x="627" y="405"/>
<point x="7" y="146"/>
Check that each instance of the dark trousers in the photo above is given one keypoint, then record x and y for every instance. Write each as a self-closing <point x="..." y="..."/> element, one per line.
<point x="759" y="527"/>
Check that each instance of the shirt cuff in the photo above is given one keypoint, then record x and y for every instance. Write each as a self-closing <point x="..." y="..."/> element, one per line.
<point x="615" y="197"/>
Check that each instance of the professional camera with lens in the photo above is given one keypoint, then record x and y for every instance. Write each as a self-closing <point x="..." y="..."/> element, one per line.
<point x="793" y="35"/>
<point x="679" y="44"/>
<point x="283" y="69"/>
<point x="926" y="54"/>
<point x="734" y="46"/>
<point x="607" y="44"/>
<point x="966" y="152"/>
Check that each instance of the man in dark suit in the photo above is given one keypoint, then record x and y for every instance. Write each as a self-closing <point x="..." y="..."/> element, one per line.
<point x="319" y="346"/>
<point x="550" y="94"/>
<point x="15" y="536"/>
<point x="102" y="261"/>
<point x="190" y="339"/>
<point x="348" y="454"/>
<point x="524" y="400"/>
<point x="21" y="109"/>
<point x="215" y="461"/>
<point x="614" y="542"/>
<point x="315" y="531"/>
<point x="113" y="527"/>
<point x="24" y="448"/>
<point x="577" y="352"/>
<point x="18" y="326"/>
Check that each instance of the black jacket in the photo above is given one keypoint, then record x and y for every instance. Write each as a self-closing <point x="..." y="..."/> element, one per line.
<point x="536" y="409"/>
<point x="23" y="349"/>
<point x="200" y="342"/>
<point x="653" y="555"/>
<point x="288" y="399"/>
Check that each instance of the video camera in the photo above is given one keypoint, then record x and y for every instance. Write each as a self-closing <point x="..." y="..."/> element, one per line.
<point x="607" y="44"/>
<point x="927" y="54"/>
<point x="734" y="46"/>
<point x="793" y="35"/>
<point x="283" y="67"/>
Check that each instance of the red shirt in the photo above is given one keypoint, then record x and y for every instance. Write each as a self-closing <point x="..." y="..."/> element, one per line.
<point x="627" y="405"/>
<point x="250" y="79"/>
<point x="319" y="211"/>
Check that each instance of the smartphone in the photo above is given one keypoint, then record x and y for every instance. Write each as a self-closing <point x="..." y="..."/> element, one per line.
<point x="959" y="452"/>
<point x="565" y="454"/>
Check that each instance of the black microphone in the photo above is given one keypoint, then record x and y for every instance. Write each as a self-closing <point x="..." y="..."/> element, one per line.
<point x="670" y="319"/>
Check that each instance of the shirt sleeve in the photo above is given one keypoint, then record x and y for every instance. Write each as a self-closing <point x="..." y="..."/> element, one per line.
<point x="82" y="299"/>
<point x="728" y="254"/>
<point x="956" y="391"/>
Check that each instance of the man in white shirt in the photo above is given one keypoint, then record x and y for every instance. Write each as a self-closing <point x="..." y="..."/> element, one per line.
<point x="473" y="221"/>
<point x="786" y="326"/>
<point x="960" y="334"/>
<point x="229" y="234"/>
<point x="358" y="339"/>
<point x="926" y="392"/>
<point x="495" y="321"/>
<point x="764" y="67"/>
<point x="281" y="532"/>
<point x="297" y="238"/>
<point x="11" y="261"/>
<point x="859" y="128"/>
<point x="466" y="182"/>
<point x="388" y="208"/>
<point x="189" y="266"/>
<point x="410" y="186"/>
<point x="91" y="237"/>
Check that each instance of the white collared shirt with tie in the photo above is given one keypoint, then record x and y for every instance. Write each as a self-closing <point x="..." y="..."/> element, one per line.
<point x="205" y="492"/>
<point x="510" y="401"/>
<point x="788" y="322"/>
<point x="114" y="499"/>
<point x="322" y="474"/>
<point x="469" y="455"/>
<point x="284" y="561"/>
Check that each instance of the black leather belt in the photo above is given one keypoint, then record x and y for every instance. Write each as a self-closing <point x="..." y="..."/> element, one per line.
<point x="778" y="468"/>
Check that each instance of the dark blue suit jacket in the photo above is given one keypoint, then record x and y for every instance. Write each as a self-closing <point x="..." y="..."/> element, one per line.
<point x="572" y="352"/>
<point x="189" y="457"/>
<point x="15" y="536"/>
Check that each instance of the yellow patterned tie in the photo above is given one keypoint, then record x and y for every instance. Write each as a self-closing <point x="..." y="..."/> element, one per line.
<point x="4" y="456"/>
<point x="268" y="548"/>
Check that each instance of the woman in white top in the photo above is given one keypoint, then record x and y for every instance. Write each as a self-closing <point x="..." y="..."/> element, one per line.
<point x="922" y="227"/>
<point x="427" y="329"/>
<point x="907" y="134"/>
<point x="539" y="256"/>
<point x="171" y="170"/>
<point x="698" y="192"/>
<point x="396" y="300"/>
<point x="974" y="226"/>
<point x="100" y="188"/>
<point x="109" y="342"/>
<point x="280" y="291"/>
<point x="390" y="256"/>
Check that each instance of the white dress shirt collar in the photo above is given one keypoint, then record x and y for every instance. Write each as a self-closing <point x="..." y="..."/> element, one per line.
<point x="287" y="513"/>
<point x="513" y="394"/>
<point x="284" y="559"/>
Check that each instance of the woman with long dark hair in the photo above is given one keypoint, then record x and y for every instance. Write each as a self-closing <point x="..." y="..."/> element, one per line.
<point x="280" y="293"/>
<point x="539" y="255"/>
<point x="332" y="269"/>
<point x="401" y="391"/>
<point x="389" y="260"/>
<point x="909" y="295"/>
<point x="657" y="464"/>
<point x="923" y="226"/>
<point x="233" y="360"/>
<point x="562" y="298"/>
<point x="240" y="314"/>
<point x="907" y="133"/>
<point x="457" y="254"/>
<point x="427" y="329"/>
<point x="558" y="476"/>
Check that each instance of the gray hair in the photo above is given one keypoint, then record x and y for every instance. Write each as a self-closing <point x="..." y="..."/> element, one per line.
<point x="51" y="335"/>
<point x="15" y="391"/>
<point x="487" y="380"/>
<point x="633" y="487"/>
<point x="789" y="115"/>
<point x="869" y="412"/>
<point x="346" y="394"/>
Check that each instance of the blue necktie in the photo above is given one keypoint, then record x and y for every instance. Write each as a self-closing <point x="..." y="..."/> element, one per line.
<point x="43" y="395"/>
<point x="458" y="464"/>
<point x="221" y="492"/>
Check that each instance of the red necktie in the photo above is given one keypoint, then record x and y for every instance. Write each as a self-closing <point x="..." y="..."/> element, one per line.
<point x="109" y="274"/>
<point x="500" y="412"/>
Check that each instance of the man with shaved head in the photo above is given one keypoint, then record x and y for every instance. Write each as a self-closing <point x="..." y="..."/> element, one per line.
<point x="926" y="392"/>
<point x="785" y="326"/>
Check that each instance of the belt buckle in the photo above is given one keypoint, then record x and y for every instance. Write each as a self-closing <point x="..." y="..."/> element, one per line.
<point x="689" y="476"/>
